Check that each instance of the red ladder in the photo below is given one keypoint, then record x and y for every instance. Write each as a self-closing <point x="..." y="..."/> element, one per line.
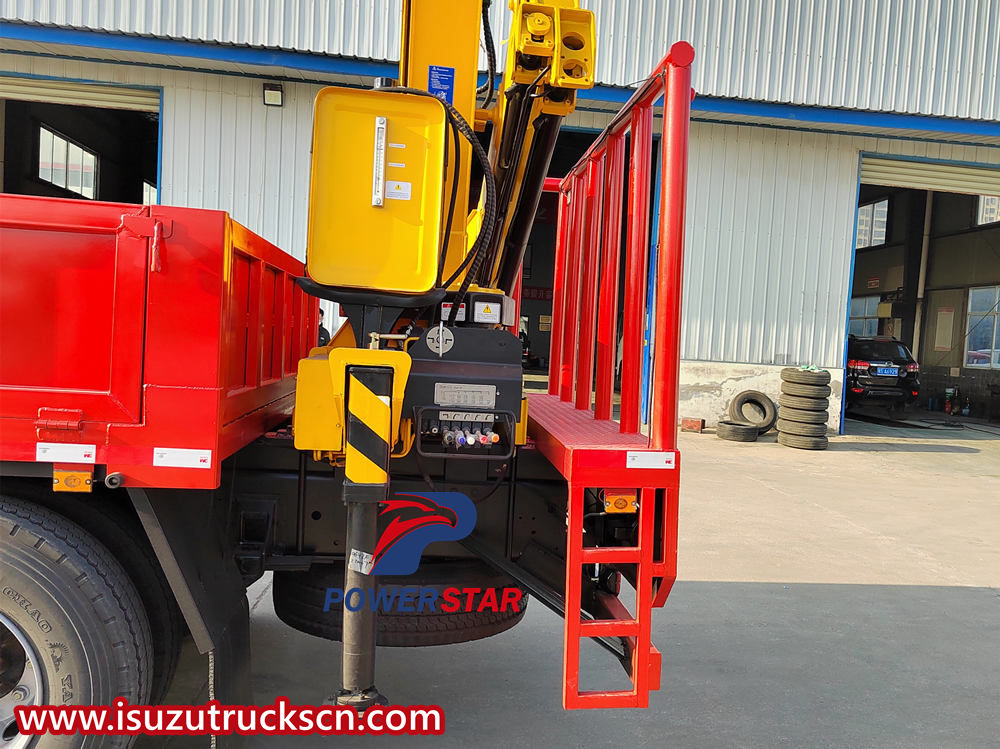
<point x="590" y="449"/>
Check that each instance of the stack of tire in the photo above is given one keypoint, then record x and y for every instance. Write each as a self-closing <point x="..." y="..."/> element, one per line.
<point x="803" y="408"/>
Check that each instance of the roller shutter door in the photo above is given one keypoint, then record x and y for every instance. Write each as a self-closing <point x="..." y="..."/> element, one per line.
<point x="80" y="94"/>
<point x="925" y="175"/>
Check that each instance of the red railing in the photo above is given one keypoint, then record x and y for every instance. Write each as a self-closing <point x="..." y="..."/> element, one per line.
<point x="588" y="256"/>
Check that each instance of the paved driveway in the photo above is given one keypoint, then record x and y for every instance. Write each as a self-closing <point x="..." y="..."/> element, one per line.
<point x="847" y="598"/>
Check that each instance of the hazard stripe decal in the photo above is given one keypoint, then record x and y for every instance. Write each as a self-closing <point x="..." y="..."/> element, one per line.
<point x="369" y="418"/>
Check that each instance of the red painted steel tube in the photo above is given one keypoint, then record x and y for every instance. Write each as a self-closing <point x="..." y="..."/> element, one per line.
<point x="611" y="554"/>
<point x="645" y="95"/>
<point x="666" y="568"/>
<point x="515" y="294"/>
<point x="590" y="259"/>
<point x="571" y="294"/>
<point x="644" y="595"/>
<point x="563" y="231"/>
<point x="551" y="184"/>
<point x="574" y="593"/>
<point x="609" y="628"/>
<point x="635" y="267"/>
<point x="670" y="279"/>
<point x="607" y="317"/>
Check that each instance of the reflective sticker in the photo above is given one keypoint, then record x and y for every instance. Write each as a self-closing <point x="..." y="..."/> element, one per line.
<point x="181" y="457"/>
<point x="647" y="459"/>
<point x="64" y="452"/>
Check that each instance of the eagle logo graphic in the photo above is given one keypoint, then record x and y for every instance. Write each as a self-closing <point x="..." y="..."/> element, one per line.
<point x="411" y="521"/>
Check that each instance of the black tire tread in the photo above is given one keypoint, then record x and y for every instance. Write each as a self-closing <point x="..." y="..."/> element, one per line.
<point x="299" y="598"/>
<point x="801" y="429"/>
<point x="805" y="376"/>
<point x="804" y="404"/>
<point x="735" y="431"/>
<point x="87" y="556"/>
<point x="100" y="516"/>
<point x="803" y="443"/>
<point x="800" y="415"/>
<point x="764" y="425"/>
<point x="805" y="391"/>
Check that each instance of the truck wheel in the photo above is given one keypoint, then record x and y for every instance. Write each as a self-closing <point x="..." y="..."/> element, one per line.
<point x="299" y="599"/>
<point x="103" y="515"/>
<point x="72" y="627"/>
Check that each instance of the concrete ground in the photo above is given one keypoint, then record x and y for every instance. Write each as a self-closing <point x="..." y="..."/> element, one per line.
<point x="847" y="598"/>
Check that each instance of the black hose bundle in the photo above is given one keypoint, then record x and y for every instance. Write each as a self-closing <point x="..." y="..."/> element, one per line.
<point x="491" y="57"/>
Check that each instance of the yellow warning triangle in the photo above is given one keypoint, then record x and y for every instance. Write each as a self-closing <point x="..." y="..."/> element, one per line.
<point x="486" y="310"/>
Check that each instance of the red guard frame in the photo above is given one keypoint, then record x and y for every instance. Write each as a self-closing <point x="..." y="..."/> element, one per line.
<point x="572" y="424"/>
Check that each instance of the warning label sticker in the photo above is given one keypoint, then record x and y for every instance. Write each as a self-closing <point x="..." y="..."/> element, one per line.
<point x="441" y="82"/>
<point x="487" y="312"/>
<point x="396" y="190"/>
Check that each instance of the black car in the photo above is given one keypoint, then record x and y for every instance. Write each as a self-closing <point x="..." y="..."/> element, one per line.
<point x="881" y="371"/>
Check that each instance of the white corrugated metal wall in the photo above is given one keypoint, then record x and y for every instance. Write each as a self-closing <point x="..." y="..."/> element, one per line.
<point x="770" y="216"/>
<point x="222" y="148"/>
<point x="770" y="225"/>
<point x="934" y="57"/>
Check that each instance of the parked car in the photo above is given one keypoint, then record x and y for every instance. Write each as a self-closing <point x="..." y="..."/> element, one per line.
<point x="881" y="371"/>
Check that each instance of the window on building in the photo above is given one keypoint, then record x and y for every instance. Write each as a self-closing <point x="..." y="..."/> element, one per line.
<point x="982" y="338"/>
<point x="989" y="210"/>
<point x="66" y="164"/>
<point x="873" y="218"/>
<point x="148" y="193"/>
<point x="864" y="316"/>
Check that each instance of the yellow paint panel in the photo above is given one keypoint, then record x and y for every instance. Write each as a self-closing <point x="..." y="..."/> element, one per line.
<point x="318" y="419"/>
<point x="352" y="243"/>
<point x="369" y="408"/>
<point x="360" y="469"/>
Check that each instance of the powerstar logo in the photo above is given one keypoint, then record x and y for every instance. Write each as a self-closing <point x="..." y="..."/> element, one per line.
<point x="415" y="520"/>
<point x="411" y="522"/>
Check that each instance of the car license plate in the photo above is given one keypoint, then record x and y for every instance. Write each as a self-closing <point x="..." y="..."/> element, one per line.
<point x="887" y="371"/>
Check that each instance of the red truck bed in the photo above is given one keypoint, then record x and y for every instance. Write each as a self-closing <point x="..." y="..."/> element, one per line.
<point x="154" y="341"/>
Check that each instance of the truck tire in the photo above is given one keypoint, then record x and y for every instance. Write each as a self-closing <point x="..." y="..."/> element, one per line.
<point x="805" y="376"/>
<point x="103" y="515"/>
<point x="806" y="391"/>
<point x="299" y="599"/>
<point x="798" y="427"/>
<point x="71" y="622"/>
<point x="802" y="416"/>
<point x="753" y="407"/>
<point x="803" y="404"/>
<point x="737" y="431"/>
<point x="803" y="443"/>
